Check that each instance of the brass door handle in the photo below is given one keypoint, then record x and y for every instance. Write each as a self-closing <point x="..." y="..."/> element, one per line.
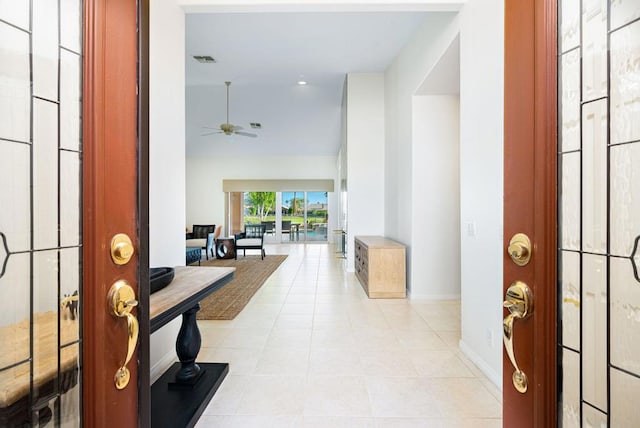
<point x="519" y="302"/>
<point x="121" y="301"/>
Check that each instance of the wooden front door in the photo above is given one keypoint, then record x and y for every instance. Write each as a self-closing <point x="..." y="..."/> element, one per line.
<point x="530" y="209"/>
<point x="572" y="184"/>
<point x="70" y="150"/>
<point x="114" y="177"/>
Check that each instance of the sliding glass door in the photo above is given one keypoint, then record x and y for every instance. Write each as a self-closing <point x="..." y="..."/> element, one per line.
<point x="295" y="216"/>
<point x="317" y="216"/>
<point x="260" y="208"/>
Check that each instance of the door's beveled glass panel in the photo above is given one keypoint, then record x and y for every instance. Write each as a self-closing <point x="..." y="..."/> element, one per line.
<point x="570" y="97"/>
<point x="14" y="176"/>
<point x="624" y="198"/>
<point x="625" y="390"/>
<point x="70" y="102"/>
<point x="623" y="12"/>
<point x="71" y="24"/>
<point x="69" y="387"/>
<point x="570" y="388"/>
<point x="14" y="323"/>
<point x="69" y="294"/>
<point x="45" y="49"/>
<point x="32" y="168"/>
<point x="45" y="174"/>
<point x="569" y="24"/>
<point x="45" y="320"/>
<point x="16" y="12"/>
<point x="625" y="84"/>
<point x="625" y="316"/>
<point x="570" y="201"/>
<point x="15" y="85"/>
<point x="593" y="418"/>
<point x="594" y="49"/>
<point x="594" y="330"/>
<point x="70" y="199"/>
<point x="594" y="177"/>
<point x="571" y="300"/>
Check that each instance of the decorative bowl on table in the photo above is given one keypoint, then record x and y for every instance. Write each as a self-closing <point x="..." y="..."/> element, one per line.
<point x="160" y="277"/>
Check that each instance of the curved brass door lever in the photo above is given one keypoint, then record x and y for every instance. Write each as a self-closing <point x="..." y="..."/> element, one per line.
<point x="121" y="301"/>
<point x="519" y="302"/>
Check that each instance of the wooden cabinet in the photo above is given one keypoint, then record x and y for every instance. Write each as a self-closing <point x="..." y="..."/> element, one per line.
<point x="380" y="266"/>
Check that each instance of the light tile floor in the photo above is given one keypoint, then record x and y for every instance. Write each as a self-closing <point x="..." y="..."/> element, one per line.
<point x="311" y="350"/>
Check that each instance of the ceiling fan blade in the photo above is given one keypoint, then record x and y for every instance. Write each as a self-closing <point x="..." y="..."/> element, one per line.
<point x="210" y="133"/>
<point x="237" y="128"/>
<point x="209" y="127"/>
<point x="246" y="134"/>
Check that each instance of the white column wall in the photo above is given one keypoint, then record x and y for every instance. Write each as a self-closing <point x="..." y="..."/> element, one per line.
<point x="365" y="157"/>
<point x="166" y="153"/>
<point x="481" y="177"/>
<point x="402" y="79"/>
<point x="435" y="272"/>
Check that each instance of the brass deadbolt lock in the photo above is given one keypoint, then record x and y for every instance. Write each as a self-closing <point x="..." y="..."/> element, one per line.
<point x="121" y="249"/>
<point x="519" y="249"/>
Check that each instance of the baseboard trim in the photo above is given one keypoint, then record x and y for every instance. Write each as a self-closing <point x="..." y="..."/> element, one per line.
<point x="481" y="364"/>
<point x="162" y="365"/>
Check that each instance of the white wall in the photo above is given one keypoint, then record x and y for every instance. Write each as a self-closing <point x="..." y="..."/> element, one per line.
<point x="205" y="198"/>
<point x="166" y="153"/>
<point x="402" y="80"/>
<point x="435" y="272"/>
<point x="481" y="177"/>
<point x="365" y="157"/>
<point x="480" y="27"/>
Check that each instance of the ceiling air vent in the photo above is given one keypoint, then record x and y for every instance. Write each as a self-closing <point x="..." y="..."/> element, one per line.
<point x="256" y="125"/>
<point x="205" y="59"/>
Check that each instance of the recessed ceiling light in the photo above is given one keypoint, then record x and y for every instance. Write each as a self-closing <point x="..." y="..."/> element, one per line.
<point x="205" y="59"/>
<point x="302" y="82"/>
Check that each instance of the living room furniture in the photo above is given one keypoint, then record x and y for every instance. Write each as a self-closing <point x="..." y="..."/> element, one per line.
<point x="226" y="248"/>
<point x="295" y="232"/>
<point x="270" y="227"/>
<point x="380" y="266"/>
<point x="251" y="239"/>
<point x="202" y="235"/>
<point x="286" y="228"/>
<point x="181" y="394"/>
<point x="193" y="254"/>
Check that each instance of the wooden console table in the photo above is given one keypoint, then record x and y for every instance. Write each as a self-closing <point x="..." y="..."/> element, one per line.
<point x="181" y="394"/>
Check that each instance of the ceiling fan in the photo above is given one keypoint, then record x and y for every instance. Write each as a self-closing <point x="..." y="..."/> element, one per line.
<point x="227" y="128"/>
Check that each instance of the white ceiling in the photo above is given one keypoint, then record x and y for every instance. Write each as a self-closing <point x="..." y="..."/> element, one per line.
<point x="263" y="55"/>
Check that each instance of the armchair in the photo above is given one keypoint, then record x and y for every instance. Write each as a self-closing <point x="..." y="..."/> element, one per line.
<point x="251" y="239"/>
<point x="202" y="236"/>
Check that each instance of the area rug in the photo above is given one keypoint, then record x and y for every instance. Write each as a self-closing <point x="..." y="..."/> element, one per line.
<point x="250" y="274"/>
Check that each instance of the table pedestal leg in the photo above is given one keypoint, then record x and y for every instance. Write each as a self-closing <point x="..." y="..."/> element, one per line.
<point x="188" y="346"/>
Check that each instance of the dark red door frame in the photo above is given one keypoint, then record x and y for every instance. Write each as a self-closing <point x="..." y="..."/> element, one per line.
<point x="530" y="202"/>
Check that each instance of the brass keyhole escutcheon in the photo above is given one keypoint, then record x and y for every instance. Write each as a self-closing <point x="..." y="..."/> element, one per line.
<point x="121" y="249"/>
<point x="519" y="249"/>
